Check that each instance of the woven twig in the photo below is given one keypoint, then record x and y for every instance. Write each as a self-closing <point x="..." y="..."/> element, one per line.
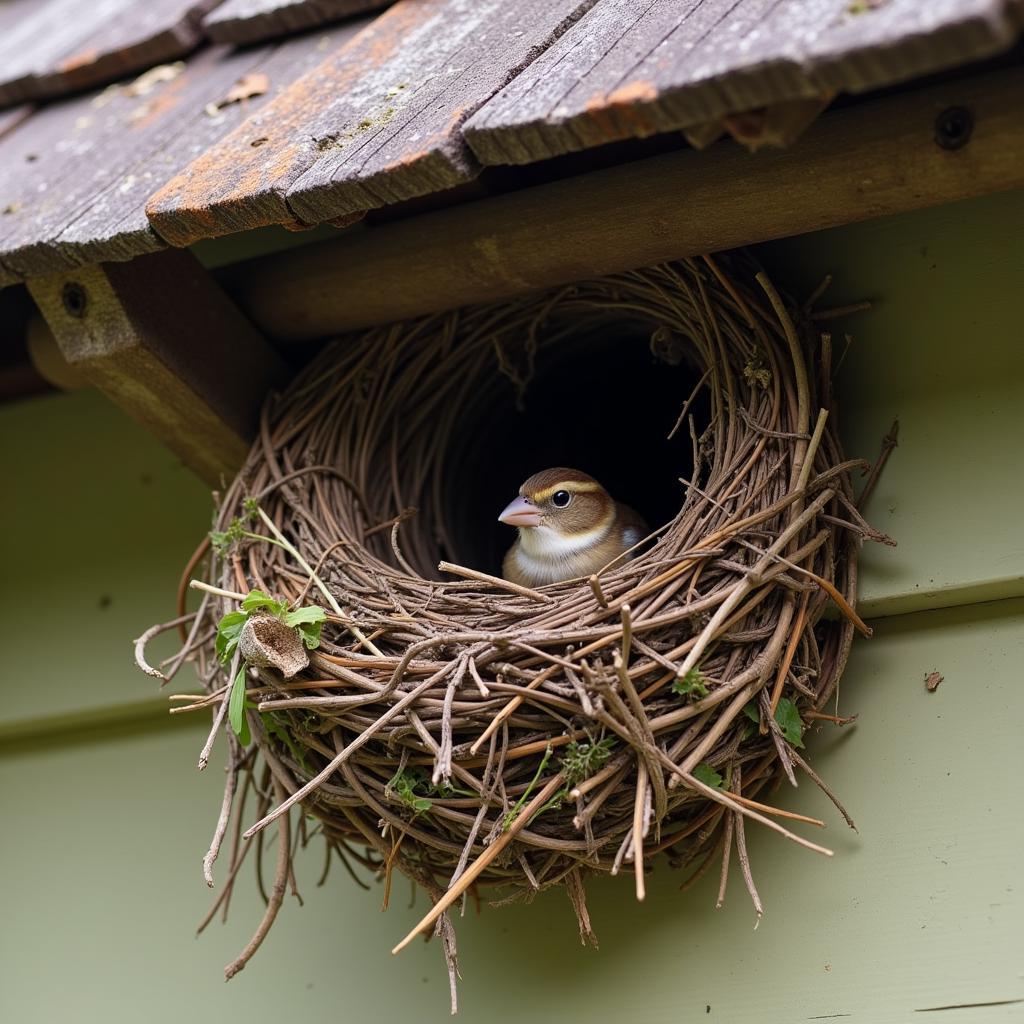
<point x="538" y="732"/>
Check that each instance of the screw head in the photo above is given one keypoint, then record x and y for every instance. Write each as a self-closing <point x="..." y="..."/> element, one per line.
<point x="75" y="299"/>
<point x="953" y="128"/>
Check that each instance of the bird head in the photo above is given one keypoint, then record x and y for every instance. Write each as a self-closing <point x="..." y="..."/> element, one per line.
<point x="561" y="504"/>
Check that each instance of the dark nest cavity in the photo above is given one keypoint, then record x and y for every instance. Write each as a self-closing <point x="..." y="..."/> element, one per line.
<point x="470" y="733"/>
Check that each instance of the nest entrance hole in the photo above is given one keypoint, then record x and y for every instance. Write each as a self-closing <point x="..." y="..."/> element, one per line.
<point x="602" y="397"/>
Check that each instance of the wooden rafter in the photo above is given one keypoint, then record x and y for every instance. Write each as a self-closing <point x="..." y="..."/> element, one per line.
<point x="159" y="337"/>
<point x="922" y="148"/>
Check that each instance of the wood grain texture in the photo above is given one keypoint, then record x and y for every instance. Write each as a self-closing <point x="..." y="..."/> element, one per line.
<point x="161" y="340"/>
<point x="78" y="174"/>
<point x="631" y="68"/>
<point x="250" y="21"/>
<point x="869" y="160"/>
<point x="63" y="45"/>
<point x="14" y="116"/>
<point x="379" y="121"/>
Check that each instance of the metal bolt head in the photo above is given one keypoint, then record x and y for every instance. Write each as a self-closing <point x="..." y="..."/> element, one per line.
<point x="953" y="128"/>
<point x="75" y="299"/>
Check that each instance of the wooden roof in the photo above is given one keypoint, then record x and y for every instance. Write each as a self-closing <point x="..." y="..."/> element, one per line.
<point x="413" y="101"/>
<point x="61" y="45"/>
<point x="631" y="69"/>
<point x="248" y="21"/>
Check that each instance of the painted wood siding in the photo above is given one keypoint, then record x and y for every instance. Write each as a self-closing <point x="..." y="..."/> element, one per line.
<point x="919" y="910"/>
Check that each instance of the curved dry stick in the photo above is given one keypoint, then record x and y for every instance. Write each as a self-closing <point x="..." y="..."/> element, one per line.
<point x="230" y="785"/>
<point x="276" y="896"/>
<point x="154" y="631"/>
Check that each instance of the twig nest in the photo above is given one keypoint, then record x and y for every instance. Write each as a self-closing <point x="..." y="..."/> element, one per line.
<point x="466" y="732"/>
<point x="266" y="642"/>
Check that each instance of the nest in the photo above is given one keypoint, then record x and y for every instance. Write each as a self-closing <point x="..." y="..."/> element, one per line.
<point x="468" y="732"/>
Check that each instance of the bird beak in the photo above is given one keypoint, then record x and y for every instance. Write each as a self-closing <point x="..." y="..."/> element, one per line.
<point x="520" y="512"/>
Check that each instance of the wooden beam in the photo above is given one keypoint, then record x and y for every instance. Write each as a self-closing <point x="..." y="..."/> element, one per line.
<point x="878" y="158"/>
<point x="161" y="339"/>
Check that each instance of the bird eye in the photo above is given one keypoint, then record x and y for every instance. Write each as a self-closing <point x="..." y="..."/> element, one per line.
<point x="560" y="499"/>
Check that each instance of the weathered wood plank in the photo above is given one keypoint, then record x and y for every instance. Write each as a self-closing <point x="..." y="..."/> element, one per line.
<point x="12" y="117"/>
<point x="64" y="45"/>
<point x="250" y="21"/>
<point x="78" y="174"/>
<point x="630" y="69"/>
<point x="869" y="160"/>
<point x="377" y="122"/>
<point x="161" y="339"/>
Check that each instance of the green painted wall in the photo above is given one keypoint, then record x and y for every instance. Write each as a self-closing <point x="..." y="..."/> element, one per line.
<point x="942" y="349"/>
<point x="104" y="826"/>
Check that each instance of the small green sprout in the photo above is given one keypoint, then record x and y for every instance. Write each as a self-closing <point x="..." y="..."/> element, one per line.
<point x="237" y="531"/>
<point x="514" y="813"/>
<point x="404" y="784"/>
<point x="581" y="760"/>
<point x="691" y="685"/>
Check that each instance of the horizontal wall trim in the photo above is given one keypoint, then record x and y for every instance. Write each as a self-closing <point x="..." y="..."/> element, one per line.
<point x="89" y="724"/>
<point x="138" y="717"/>
<point x="927" y="599"/>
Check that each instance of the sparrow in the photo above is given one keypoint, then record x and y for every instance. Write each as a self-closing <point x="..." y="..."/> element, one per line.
<point x="569" y="526"/>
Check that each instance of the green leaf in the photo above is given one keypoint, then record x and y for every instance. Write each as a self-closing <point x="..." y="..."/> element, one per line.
<point x="229" y="629"/>
<point x="753" y="712"/>
<point x="308" y="621"/>
<point x="236" y="708"/>
<point x="691" y="685"/>
<point x="706" y="774"/>
<point x="310" y="614"/>
<point x="311" y="635"/>
<point x="256" y="601"/>
<point x="790" y="722"/>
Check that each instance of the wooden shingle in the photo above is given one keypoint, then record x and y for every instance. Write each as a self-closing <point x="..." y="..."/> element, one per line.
<point x="379" y="121"/>
<point x="60" y="46"/>
<point x="250" y="21"/>
<point x="630" y="69"/>
<point x="77" y="175"/>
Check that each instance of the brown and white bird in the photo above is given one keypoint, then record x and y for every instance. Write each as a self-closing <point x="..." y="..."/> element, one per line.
<point x="569" y="526"/>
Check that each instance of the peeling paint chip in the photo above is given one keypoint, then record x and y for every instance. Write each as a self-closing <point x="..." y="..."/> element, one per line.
<point x="149" y="80"/>
<point x="931" y="681"/>
<point x="254" y="84"/>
